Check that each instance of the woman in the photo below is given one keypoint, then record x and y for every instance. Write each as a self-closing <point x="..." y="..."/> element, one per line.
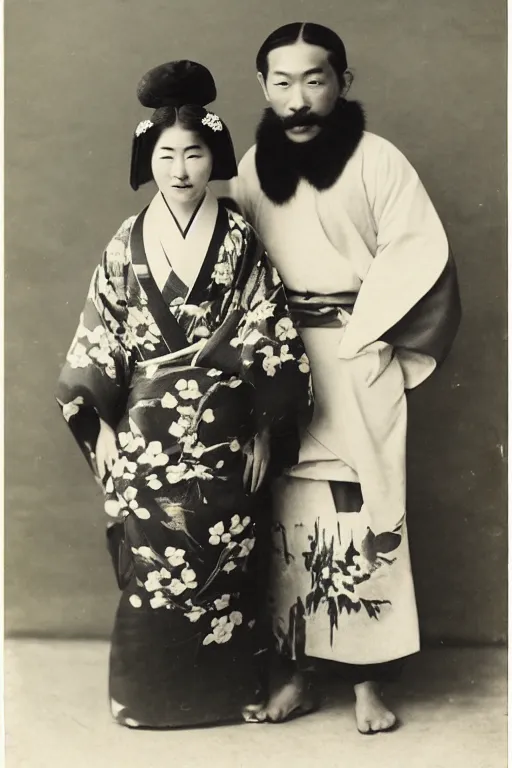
<point x="184" y="370"/>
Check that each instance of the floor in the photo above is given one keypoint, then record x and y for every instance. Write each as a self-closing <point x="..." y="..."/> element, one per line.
<point x="452" y="703"/>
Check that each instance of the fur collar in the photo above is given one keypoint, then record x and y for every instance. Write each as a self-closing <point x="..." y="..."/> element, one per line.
<point x="280" y="163"/>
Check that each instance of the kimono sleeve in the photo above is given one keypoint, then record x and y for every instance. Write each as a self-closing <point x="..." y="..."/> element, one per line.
<point x="409" y="296"/>
<point x="272" y="355"/>
<point x="93" y="382"/>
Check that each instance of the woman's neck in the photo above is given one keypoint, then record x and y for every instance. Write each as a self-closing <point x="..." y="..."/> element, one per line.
<point x="183" y="213"/>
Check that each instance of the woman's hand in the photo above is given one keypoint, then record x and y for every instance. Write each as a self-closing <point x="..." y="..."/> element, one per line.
<point x="257" y="460"/>
<point x="106" y="449"/>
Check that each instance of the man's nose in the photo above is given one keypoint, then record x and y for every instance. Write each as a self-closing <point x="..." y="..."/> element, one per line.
<point x="297" y="99"/>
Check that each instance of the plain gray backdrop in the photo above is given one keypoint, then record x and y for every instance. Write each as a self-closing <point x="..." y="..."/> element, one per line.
<point x="432" y="78"/>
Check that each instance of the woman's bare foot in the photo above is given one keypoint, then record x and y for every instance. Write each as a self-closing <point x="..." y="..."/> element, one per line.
<point x="291" y="699"/>
<point x="372" y="715"/>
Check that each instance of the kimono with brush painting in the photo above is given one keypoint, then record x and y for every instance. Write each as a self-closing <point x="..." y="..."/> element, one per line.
<point x="373" y="289"/>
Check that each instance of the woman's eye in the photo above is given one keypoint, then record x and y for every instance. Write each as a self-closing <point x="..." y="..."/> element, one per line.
<point x="282" y="84"/>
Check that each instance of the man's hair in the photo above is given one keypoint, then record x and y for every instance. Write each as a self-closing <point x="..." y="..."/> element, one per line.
<point x="314" y="34"/>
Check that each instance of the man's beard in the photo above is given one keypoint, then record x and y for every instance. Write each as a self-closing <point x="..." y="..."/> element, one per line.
<point x="281" y="162"/>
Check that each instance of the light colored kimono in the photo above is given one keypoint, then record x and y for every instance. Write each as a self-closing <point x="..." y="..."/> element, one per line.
<point x="342" y="585"/>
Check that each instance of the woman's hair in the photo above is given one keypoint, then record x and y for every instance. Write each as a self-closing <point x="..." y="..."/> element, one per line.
<point x="307" y="32"/>
<point x="167" y="89"/>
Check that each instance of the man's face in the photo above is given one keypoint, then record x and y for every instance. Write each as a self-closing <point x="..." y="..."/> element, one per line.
<point x="300" y="85"/>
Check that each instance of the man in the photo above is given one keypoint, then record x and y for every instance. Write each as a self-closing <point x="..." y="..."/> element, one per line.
<point x="373" y="290"/>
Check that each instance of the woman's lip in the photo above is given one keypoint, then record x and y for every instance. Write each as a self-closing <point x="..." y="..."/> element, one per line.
<point x="182" y="186"/>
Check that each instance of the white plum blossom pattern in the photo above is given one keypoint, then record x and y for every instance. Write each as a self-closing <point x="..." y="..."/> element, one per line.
<point x="113" y="508"/>
<point x="222" y="629"/>
<point x="129" y="495"/>
<point x="271" y="361"/>
<point x="285" y="329"/>
<point x="153" y="581"/>
<point x="72" y="408"/>
<point x="154" y="455"/>
<point x="175" y="556"/>
<point x="135" y="601"/>
<point x="177" y="587"/>
<point x="153" y="482"/>
<point x="222" y="274"/>
<point x="188" y="389"/>
<point x="237" y="525"/>
<point x="304" y="364"/>
<point x="98" y="350"/>
<point x="78" y="357"/>
<point x="218" y="534"/>
<point x="129" y="442"/>
<point x="263" y="311"/>
<point x="158" y="600"/>
<point x="208" y="416"/>
<point x="176" y="473"/>
<point x="145" y="552"/>
<point x="248" y="333"/>
<point x="124" y="468"/>
<point x="169" y="401"/>
<point x="246" y="546"/>
<point x="222" y="602"/>
<point x="141" y="329"/>
<point x="188" y="576"/>
<point x="195" y="613"/>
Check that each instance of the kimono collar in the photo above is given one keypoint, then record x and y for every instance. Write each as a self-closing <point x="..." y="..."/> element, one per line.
<point x="281" y="164"/>
<point x="163" y="236"/>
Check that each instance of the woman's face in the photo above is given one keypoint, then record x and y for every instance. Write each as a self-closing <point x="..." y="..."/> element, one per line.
<point x="181" y="165"/>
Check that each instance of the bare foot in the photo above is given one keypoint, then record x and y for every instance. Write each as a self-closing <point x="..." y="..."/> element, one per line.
<point x="372" y="715"/>
<point x="293" y="698"/>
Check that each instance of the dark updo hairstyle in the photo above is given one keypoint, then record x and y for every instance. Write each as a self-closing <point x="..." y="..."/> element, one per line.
<point x="178" y="93"/>
<point x="307" y="32"/>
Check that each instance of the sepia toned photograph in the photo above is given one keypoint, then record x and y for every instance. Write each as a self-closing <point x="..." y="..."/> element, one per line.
<point x="256" y="440"/>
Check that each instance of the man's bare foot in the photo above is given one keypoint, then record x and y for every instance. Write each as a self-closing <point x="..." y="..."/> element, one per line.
<point x="291" y="699"/>
<point x="372" y="715"/>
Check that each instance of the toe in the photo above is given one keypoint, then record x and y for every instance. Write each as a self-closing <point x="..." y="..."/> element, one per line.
<point x="274" y="714"/>
<point x="254" y="713"/>
<point x="384" y="723"/>
<point x="364" y="726"/>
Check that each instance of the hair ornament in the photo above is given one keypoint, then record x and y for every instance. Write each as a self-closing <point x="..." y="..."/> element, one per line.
<point x="143" y="126"/>
<point x="212" y="121"/>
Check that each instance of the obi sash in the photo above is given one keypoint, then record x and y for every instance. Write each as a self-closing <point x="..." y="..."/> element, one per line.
<point x="313" y="310"/>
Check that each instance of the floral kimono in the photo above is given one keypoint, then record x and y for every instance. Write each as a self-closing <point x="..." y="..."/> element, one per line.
<point x="186" y="376"/>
